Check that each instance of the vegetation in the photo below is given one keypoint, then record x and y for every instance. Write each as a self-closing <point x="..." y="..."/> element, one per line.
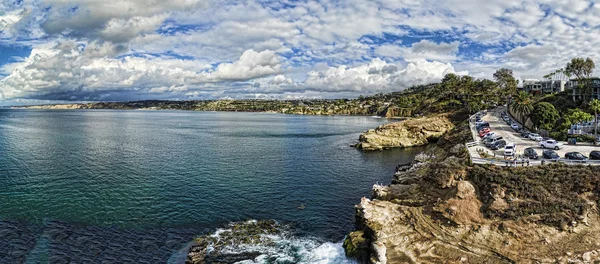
<point x="595" y="106"/>
<point x="522" y="105"/>
<point x="556" y="194"/>
<point x="582" y="70"/>
<point x="455" y="94"/>
<point x="556" y="113"/>
<point x="544" y="116"/>
<point x="507" y="83"/>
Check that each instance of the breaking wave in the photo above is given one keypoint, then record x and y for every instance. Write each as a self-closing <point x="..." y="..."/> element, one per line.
<point x="241" y="243"/>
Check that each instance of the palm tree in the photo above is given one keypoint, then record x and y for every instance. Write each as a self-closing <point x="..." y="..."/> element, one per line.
<point x="595" y="106"/>
<point x="522" y="105"/>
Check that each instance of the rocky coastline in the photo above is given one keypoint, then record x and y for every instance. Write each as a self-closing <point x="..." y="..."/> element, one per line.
<point x="408" y="133"/>
<point x="441" y="209"/>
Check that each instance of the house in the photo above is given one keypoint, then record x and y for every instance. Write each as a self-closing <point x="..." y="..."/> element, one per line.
<point x="577" y="91"/>
<point x="544" y="87"/>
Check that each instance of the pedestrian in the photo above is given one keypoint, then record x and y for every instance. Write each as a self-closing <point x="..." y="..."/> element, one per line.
<point x="543" y="161"/>
<point x="527" y="162"/>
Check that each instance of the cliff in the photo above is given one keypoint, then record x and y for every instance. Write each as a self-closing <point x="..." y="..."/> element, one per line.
<point x="57" y="106"/>
<point x="407" y="133"/>
<point x="440" y="209"/>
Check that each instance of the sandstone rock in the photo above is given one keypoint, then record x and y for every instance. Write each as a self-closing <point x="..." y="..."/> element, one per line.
<point x="408" y="133"/>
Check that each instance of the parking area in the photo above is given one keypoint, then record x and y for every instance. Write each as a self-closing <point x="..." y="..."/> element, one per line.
<point x="502" y="129"/>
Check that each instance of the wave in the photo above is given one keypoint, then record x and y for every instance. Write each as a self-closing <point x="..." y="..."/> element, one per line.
<point x="265" y="242"/>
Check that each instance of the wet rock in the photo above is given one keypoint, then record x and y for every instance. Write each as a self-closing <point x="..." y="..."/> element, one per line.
<point x="357" y="246"/>
<point x="233" y="243"/>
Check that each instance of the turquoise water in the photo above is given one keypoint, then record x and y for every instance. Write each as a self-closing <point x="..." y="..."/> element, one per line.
<point x="115" y="186"/>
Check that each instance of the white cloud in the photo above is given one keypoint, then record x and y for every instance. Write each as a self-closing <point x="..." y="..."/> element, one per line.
<point x="424" y="49"/>
<point x="378" y="76"/>
<point x="230" y="48"/>
<point x="86" y="71"/>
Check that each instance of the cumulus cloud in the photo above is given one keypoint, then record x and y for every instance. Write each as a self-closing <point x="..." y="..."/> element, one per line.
<point x="378" y="76"/>
<point x="72" y="70"/>
<point x="128" y="49"/>
<point x="423" y="49"/>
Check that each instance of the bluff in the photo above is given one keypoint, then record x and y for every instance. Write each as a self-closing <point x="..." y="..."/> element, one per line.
<point x="407" y="133"/>
<point x="442" y="209"/>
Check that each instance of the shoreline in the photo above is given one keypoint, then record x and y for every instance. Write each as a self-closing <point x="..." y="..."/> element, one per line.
<point x="397" y="118"/>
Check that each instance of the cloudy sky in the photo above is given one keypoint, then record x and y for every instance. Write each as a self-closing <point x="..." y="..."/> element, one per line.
<point x="87" y="50"/>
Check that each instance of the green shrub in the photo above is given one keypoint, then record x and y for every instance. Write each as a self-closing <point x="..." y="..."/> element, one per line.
<point x="552" y="191"/>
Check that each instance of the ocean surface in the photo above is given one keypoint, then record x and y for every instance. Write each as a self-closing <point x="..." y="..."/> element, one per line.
<point x="107" y="186"/>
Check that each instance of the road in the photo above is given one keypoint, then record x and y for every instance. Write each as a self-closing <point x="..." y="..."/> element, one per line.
<point x="511" y="136"/>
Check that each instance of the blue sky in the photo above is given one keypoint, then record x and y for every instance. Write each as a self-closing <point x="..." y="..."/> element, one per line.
<point x="209" y="49"/>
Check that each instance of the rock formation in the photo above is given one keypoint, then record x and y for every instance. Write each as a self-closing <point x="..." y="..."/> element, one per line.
<point x="441" y="210"/>
<point x="407" y="133"/>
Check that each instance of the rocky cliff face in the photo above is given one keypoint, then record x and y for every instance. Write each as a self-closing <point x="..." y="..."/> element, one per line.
<point x="407" y="133"/>
<point x="436" y="212"/>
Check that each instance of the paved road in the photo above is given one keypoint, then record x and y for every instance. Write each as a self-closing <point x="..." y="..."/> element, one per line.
<point x="501" y="128"/>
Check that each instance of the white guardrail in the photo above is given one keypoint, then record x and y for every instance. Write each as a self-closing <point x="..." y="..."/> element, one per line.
<point x="514" y="162"/>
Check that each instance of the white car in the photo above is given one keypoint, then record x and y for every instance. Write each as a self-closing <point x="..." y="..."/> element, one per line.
<point x="551" y="144"/>
<point x="510" y="150"/>
<point x="535" y="137"/>
<point x="489" y="135"/>
<point x="514" y="126"/>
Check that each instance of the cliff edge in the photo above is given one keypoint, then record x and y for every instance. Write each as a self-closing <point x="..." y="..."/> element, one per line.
<point x="441" y="209"/>
<point x="407" y="133"/>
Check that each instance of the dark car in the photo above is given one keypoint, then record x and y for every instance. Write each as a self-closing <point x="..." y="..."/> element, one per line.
<point x="483" y="125"/>
<point x="530" y="153"/>
<point x="525" y="134"/>
<point x="498" y="144"/>
<point x="550" y="154"/>
<point x="595" y="155"/>
<point x="575" y="156"/>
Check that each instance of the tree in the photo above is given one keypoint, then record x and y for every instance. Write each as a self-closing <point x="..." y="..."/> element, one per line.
<point x="582" y="70"/>
<point x="544" y="116"/>
<point x="575" y="116"/>
<point x="595" y="106"/>
<point x="522" y="105"/>
<point x="506" y="82"/>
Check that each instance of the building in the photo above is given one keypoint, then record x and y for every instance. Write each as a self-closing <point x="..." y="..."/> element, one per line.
<point x="577" y="91"/>
<point x="544" y="87"/>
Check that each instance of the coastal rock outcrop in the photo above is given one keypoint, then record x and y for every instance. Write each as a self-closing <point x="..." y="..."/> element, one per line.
<point x="407" y="133"/>
<point x="441" y="209"/>
<point x="238" y="242"/>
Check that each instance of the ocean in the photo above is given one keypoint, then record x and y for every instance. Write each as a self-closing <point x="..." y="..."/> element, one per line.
<point x="110" y="186"/>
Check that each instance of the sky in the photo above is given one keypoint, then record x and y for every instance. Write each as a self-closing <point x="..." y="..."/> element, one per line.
<point x="116" y="50"/>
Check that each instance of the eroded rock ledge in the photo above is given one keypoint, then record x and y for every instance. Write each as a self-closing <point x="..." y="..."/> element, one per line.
<point x="407" y="133"/>
<point x="439" y="209"/>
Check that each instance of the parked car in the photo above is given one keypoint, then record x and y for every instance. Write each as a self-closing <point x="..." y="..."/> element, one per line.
<point x="514" y="126"/>
<point x="483" y="125"/>
<point x="490" y="141"/>
<point x="525" y="134"/>
<point x="551" y="144"/>
<point x="550" y="154"/>
<point x="535" y="137"/>
<point x="510" y="150"/>
<point x="489" y="135"/>
<point x="575" y="156"/>
<point x="498" y="144"/>
<point x="484" y="131"/>
<point x="530" y="153"/>
<point x="595" y="155"/>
